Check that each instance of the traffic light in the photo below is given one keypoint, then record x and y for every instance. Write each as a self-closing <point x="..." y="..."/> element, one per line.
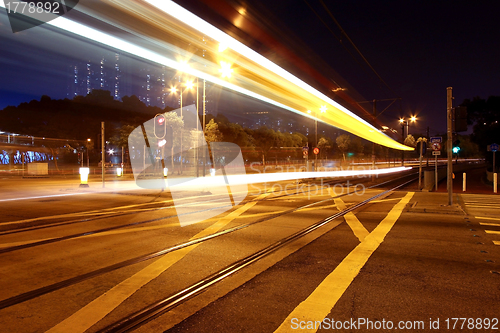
<point x="160" y="126"/>
<point x="456" y="146"/>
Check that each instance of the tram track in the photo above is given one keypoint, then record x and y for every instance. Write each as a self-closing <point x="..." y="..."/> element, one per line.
<point x="112" y="228"/>
<point x="156" y="309"/>
<point x="80" y="278"/>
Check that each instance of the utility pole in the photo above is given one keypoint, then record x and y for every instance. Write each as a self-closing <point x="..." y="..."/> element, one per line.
<point x="421" y="141"/>
<point x="197" y="128"/>
<point x="103" y="152"/>
<point x="403" y="137"/>
<point x="203" y="126"/>
<point x="316" y="143"/>
<point x="123" y="153"/>
<point x="373" y="143"/>
<point x="449" y="145"/>
<point x="428" y="140"/>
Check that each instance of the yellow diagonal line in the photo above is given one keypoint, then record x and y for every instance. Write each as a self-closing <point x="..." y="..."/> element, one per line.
<point x="492" y="224"/>
<point x="320" y="303"/>
<point x="351" y="219"/>
<point x="93" y="312"/>
<point x="487" y="218"/>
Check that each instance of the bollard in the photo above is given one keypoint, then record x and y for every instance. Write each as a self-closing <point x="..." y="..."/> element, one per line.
<point x="84" y="177"/>
<point x="495" y="182"/>
<point x="465" y="182"/>
<point x="119" y="172"/>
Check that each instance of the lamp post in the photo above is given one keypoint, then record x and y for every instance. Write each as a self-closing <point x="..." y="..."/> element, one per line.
<point x="406" y="123"/>
<point x="89" y="142"/>
<point x="322" y="110"/>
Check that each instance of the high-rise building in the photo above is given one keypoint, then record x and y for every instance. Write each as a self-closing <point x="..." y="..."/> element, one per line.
<point x="104" y="74"/>
<point x="153" y="89"/>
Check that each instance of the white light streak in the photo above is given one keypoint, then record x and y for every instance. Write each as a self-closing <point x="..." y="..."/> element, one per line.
<point x="174" y="10"/>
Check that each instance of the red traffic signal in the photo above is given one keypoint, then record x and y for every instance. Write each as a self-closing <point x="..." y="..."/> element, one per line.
<point x="159" y="129"/>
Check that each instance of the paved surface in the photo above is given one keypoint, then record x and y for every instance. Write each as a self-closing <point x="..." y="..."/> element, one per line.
<point x="405" y="257"/>
<point x="475" y="182"/>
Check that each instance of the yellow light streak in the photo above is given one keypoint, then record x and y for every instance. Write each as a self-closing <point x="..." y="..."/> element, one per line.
<point x="266" y="81"/>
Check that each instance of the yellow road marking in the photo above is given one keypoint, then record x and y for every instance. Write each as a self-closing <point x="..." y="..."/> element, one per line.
<point x="483" y="202"/>
<point x="481" y="206"/>
<point x="384" y="200"/>
<point x="93" y="312"/>
<point x="487" y="218"/>
<point x="353" y="222"/>
<point x="493" y="224"/>
<point x="493" y="232"/>
<point x="319" y="304"/>
<point x="496" y="242"/>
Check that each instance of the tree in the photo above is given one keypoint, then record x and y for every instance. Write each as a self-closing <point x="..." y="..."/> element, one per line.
<point x="264" y="139"/>
<point x="120" y="139"/>
<point x="212" y="133"/>
<point x="356" y="146"/>
<point x="343" y="142"/>
<point x="323" y="145"/>
<point x="173" y="120"/>
<point x="410" y="141"/>
<point x="485" y="115"/>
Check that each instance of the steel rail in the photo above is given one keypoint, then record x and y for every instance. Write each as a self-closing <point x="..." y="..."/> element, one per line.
<point x="156" y="309"/>
<point x="80" y="278"/>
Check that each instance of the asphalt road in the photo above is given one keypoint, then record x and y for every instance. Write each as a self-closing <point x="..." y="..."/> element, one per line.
<point x="388" y="260"/>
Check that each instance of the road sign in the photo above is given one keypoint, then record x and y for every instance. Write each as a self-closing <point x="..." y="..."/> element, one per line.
<point x="305" y="152"/>
<point x="436" y="146"/>
<point x="316" y="151"/>
<point x="494" y="147"/>
<point x="436" y="152"/>
<point x="436" y="139"/>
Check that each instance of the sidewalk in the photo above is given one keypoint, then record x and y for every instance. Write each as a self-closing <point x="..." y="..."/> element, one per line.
<point x="434" y="203"/>
<point x="475" y="183"/>
<point x="18" y="188"/>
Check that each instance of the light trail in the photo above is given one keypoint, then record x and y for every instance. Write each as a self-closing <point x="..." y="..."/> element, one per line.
<point x="289" y="89"/>
<point x="280" y="176"/>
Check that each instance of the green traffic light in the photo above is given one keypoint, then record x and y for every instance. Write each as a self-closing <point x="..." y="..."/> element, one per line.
<point x="456" y="150"/>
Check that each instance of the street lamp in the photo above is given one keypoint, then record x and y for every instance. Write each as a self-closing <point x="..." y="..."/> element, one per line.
<point x="225" y="69"/>
<point x="404" y="122"/>
<point x="322" y="109"/>
<point x="89" y="142"/>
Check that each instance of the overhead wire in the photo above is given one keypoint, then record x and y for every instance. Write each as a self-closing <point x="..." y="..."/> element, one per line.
<point x="343" y="32"/>
<point x="333" y="33"/>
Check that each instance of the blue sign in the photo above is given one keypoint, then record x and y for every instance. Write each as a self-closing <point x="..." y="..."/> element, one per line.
<point x="436" y="139"/>
<point x="494" y="147"/>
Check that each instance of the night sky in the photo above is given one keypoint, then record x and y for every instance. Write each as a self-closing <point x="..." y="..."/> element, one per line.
<point x="418" y="48"/>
